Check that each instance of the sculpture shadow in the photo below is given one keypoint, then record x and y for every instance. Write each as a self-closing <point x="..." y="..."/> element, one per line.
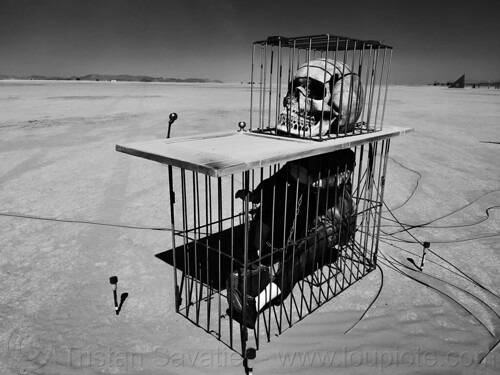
<point x="123" y="297"/>
<point x="209" y="260"/>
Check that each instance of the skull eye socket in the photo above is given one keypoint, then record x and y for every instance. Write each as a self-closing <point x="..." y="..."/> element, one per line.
<point x="313" y="89"/>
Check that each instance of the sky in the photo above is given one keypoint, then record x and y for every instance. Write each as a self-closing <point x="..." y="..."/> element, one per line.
<point x="436" y="40"/>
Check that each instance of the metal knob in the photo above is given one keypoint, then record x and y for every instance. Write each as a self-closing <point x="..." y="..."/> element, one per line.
<point x="242" y="125"/>
<point x="171" y="118"/>
<point x="250" y="355"/>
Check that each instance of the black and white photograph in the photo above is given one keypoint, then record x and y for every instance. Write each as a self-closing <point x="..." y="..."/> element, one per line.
<point x="263" y="187"/>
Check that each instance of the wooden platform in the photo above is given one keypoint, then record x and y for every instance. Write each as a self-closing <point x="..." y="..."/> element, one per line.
<point x="222" y="154"/>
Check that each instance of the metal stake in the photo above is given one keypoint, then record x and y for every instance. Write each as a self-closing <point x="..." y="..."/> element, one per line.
<point x="171" y="118"/>
<point x="424" y="252"/>
<point x="113" y="280"/>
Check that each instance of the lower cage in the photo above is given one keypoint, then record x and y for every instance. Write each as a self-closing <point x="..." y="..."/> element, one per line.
<point x="309" y="227"/>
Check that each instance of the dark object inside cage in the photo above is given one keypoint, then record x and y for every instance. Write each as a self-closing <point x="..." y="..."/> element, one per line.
<point x="267" y="226"/>
<point x="319" y="87"/>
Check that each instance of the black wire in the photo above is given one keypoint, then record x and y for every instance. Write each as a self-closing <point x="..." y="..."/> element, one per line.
<point x="489" y="351"/>
<point x="414" y="188"/>
<point x="440" y="265"/>
<point x="498" y="341"/>
<point x="463" y="273"/>
<point x="416" y="241"/>
<point x="425" y="226"/>
<point x="397" y="239"/>
<point x="449" y="283"/>
<point x="407" y="230"/>
<point x="440" y="257"/>
<point x="434" y="288"/>
<point x="437" y="290"/>
<point x="391" y="237"/>
<point x="81" y="222"/>
<point x="436" y="219"/>
<point x="373" y="301"/>
<point x="412" y="226"/>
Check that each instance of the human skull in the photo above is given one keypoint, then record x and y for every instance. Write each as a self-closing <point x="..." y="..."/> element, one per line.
<point x="325" y="97"/>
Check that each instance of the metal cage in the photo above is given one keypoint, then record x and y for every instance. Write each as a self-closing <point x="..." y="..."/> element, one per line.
<point x="216" y="236"/>
<point x="261" y="239"/>
<point x="277" y="60"/>
<point x="320" y="202"/>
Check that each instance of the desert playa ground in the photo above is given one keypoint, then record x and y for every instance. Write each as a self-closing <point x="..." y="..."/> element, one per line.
<point x="75" y="212"/>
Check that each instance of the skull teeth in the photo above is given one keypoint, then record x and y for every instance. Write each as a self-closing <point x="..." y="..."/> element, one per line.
<point x="296" y="121"/>
<point x="300" y="115"/>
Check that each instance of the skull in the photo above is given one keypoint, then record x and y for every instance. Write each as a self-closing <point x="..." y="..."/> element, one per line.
<point x="325" y="97"/>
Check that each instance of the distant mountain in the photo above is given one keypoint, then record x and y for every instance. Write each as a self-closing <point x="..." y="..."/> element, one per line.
<point x="112" y="77"/>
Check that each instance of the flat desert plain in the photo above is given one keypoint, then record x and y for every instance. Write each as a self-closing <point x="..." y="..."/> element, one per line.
<point x="75" y="212"/>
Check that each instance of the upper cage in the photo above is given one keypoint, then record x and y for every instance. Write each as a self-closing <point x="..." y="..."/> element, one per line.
<point x="318" y="87"/>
